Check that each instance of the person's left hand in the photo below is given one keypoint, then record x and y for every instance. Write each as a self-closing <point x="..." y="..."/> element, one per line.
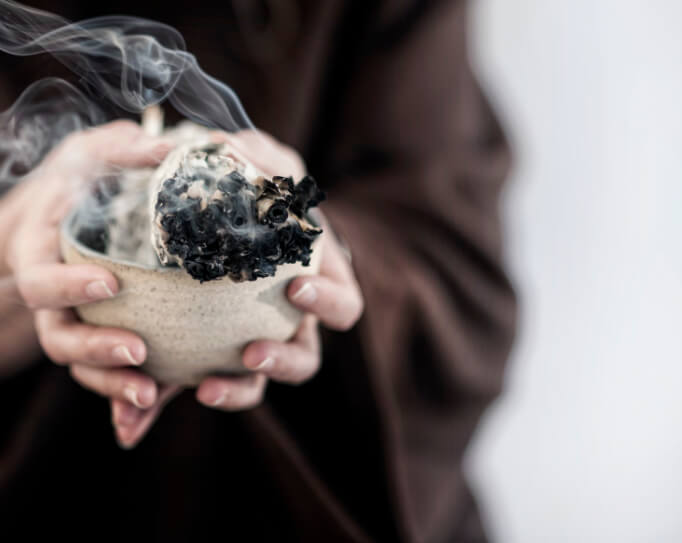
<point x="332" y="297"/>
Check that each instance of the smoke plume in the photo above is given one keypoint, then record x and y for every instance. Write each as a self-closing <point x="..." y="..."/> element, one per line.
<point x="128" y="62"/>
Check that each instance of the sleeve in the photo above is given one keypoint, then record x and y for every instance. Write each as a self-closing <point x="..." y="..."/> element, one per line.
<point x="421" y="162"/>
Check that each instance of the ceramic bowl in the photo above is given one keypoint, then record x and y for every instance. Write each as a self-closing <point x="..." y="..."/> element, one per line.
<point x="191" y="329"/>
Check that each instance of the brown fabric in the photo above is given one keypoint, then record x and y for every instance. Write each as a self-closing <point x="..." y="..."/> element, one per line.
<point x="380" y="100"/>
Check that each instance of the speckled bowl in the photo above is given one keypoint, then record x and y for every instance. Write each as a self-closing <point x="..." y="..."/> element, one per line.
<point x="191" y="329"/>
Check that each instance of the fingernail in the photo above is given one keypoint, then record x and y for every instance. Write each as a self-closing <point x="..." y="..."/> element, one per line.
<point x="220" y="399"/>
<point x="130" y="394"/>
<point x="305" y="295"/>
<point x="264" y="364"/>
<point x="98" y="290"/>
<point x="123" y="354"/>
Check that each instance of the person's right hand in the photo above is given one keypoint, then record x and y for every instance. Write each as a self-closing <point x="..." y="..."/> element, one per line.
<point x="50" y="288"/>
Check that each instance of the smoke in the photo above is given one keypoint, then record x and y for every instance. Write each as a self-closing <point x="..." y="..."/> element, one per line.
<point x="128" y="62"/>
<point x="45" y="112"/>
<point x="211" y="219"/>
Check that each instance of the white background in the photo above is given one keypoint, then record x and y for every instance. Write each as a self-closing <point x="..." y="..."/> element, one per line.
<point x="586" y="444"/>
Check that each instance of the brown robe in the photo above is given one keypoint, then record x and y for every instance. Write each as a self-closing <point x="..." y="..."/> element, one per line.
<point x="380" y="100"/>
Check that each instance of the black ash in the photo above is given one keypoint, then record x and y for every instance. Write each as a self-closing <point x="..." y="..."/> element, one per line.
<point x="225" y="225"/>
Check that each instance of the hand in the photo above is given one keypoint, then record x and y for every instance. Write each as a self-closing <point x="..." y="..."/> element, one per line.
<point x="103" y="359"/>
<point x="100" y="358"/>
<point x="332" y="297"/>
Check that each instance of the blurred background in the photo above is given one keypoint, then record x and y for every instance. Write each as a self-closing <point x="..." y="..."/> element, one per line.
<point x="586" y="443"/>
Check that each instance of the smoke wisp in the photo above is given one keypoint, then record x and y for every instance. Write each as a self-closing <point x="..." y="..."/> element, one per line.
<point x="129" y="62"/>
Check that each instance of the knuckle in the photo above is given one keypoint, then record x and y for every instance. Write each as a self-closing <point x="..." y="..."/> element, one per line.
<point x="57" y="358"/>
<point x="307" y="371"/>
<point x="346" y="322"/>
<point x="352" y="314"/>
<point x="50" y="346"/>
<point x="92" y="347"/>
<point x="74" y="372"/>
<point x="257" y="397"/>
<point x="89" y="346"/>
<point x="54" y="353"/>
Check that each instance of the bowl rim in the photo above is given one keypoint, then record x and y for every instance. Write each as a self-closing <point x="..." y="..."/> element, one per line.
<point x="66" y="232"/>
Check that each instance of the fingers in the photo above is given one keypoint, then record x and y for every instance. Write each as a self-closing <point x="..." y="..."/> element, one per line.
<point x="338" y="304"/>
<point x="121" y="384"/>
<point x="67" y="341"/>
<point x="334" y="295"/>
<point x="53" y="286"/>
<point x="121" y="143"/>
<point x="335" y="263"/>
<point x="131" y="423"/>
<point x="232" y="393"/>
<point x="84" y="156"/>
<point x="265" y="152"/>
<point x="123" y="413"/>
<point x="293" y="362"/>
<point x="54" y="186"/>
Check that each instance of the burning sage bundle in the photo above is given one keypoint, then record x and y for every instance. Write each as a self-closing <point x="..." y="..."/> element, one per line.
<point x="216" y="215"/>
